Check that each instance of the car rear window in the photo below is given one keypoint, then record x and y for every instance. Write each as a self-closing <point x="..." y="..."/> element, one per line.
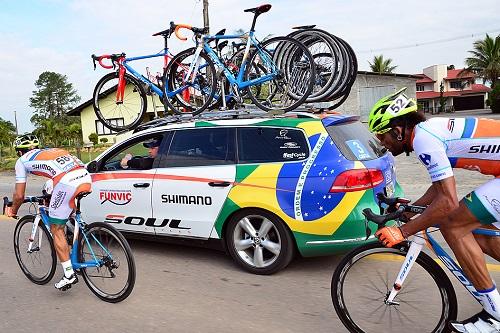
<point x="270" y="144"/>
<point x="355" y="141"/>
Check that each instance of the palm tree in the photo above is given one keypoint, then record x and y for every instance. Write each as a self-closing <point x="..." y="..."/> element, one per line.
<point x="485" y="60"/>
<point x="381" y="65"/>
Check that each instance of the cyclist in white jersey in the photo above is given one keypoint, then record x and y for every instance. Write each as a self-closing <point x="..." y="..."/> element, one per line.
<point x="69" y="178"/>
<point x="442" y="144"/>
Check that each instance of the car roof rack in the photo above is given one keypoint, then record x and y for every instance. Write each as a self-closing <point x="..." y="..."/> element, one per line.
<point x="246" y="113"/>
<point x="207" y="115"/>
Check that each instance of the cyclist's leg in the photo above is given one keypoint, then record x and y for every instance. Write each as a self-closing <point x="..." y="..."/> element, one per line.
<point x="476" y="209"/>
<point x="61" y="206"/>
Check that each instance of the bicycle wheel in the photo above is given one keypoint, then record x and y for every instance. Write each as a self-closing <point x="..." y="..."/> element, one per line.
<point x="290" y="69"/>
<point x="114" y="280"/>
<point x="188" y="96"/>
<point x="366" y="275"/>
<point x="119" y="116"/>
<point x="39" y="265"/>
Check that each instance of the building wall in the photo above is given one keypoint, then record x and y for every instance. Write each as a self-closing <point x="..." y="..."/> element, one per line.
<point x="358" y="104"/>
<point x="437" y="73"/>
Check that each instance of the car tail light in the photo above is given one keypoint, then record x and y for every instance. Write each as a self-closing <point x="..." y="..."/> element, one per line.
<point x="357" y="180"/>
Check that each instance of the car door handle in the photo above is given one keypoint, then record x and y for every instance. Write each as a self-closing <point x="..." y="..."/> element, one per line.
<point x="219" y="184"/>
<point x="143" y="185"/>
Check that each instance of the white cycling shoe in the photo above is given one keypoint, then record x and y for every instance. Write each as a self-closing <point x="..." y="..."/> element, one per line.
<point x="482" y="322"/>
<point x="66" y="282"/>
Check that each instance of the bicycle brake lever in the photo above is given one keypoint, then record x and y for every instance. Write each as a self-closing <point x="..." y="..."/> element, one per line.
<point x="94" y="58"/>
<point x="368" y="231"/>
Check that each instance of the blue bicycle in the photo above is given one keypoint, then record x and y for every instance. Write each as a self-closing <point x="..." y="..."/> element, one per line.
<point x="276" y="74"/>
<point x="119" y="98"/>
<point x="380" y="289"/>
<point x="98" y="251"/>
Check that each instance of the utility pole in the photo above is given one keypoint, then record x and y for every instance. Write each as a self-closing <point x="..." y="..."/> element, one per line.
<point x="205" y="15"/>
<point x="15" y="120"/>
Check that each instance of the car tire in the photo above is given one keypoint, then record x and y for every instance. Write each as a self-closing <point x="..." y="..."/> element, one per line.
<point x="259" y="241"/>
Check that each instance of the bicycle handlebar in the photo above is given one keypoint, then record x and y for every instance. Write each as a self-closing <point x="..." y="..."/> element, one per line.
<point x="397" y="206"/>
<point x="177" y="27"/>
<point x="114" y="57"/>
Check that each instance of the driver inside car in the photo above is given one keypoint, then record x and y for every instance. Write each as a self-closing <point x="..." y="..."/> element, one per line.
<point x="142" y="162"/>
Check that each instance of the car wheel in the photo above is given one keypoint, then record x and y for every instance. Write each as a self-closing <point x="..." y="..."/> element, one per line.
<point x="259" y="241"/>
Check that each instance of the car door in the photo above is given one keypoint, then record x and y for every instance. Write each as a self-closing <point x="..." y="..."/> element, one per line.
<point x="193" y="181"/>
<point x="122" y="196"/>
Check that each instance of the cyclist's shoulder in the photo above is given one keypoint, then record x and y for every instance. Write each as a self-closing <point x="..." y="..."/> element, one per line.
<point x="48" y="154"/>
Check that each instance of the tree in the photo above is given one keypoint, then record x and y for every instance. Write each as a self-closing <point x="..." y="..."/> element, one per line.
<point x="53" y="98"/>
<point x="75" y="134"/>
<point x="494" y="99"/>
<point x="7" y="134"/>
<point x="442" y="99"/>
<point x="94" y="138"/>
<point x="103" y="140"/>
<point x="381" y="65"/>
<point x="485" y="60"/>
<point x="450" y="67"/>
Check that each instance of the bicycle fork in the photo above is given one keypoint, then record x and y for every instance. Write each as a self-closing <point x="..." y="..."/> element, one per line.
<point x="416" y="246"/>
<point x="34" y="228"/>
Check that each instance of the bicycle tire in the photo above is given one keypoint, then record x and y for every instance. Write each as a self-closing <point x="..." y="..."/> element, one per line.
<point x="105" y="232"/>
<point x="294" y="64"/>
<point x="424" y="265"/>
<point x="108" y="110"/>
<point x="20" y="237"/>
<point x="173" y="79"/>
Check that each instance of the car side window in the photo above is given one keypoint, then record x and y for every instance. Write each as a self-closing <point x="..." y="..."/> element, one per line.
<point x="201" y="146"/>
<point x="135" y="150"/>
<point x="270" y="144"/>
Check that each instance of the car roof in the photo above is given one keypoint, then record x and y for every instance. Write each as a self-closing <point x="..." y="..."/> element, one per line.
<point x="290" y="119"/>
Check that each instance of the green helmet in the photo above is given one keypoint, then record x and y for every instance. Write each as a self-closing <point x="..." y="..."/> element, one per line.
<point x="26" y="142"/>
<point x="390" y="107"/>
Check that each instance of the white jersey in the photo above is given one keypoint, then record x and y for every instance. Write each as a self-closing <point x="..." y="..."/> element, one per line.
<point x="469" y="143"/>
<point x="51" y="163"/>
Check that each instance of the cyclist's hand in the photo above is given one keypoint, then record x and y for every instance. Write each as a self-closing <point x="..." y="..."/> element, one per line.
<point x="390" y="236"/>
<point x="10" y="213"/>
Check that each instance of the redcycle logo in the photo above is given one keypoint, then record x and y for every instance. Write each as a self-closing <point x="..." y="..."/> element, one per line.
<point x="116" y="197"/>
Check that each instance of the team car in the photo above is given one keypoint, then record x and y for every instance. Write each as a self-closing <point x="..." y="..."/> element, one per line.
<point x="264" y="188"/>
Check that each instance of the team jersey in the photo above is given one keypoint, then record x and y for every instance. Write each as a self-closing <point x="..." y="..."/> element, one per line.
<point x="468" y="143"/>
<point x="51" y="163"/>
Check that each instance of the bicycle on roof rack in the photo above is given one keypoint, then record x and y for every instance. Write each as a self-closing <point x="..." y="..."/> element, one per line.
<point x="119" y="98"/>
<point x="276" y="74"/>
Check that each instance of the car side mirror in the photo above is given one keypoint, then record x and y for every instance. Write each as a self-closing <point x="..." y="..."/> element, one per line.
<point x="92" y="167"/>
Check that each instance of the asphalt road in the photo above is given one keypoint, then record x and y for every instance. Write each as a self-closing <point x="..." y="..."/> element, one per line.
<point x="184" y="289"/>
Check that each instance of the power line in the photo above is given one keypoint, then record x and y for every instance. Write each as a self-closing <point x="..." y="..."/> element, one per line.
<point x="444" y="40"/>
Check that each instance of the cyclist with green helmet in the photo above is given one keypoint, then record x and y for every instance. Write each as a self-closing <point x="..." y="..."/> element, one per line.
<point x="442" y="144"/>
<point x="69" y="178"/>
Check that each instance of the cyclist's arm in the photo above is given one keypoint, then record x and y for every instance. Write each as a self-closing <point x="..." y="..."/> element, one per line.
<point x="20" y="188"/>
<point x="441" y="198"/>
<point x="445" y="201"/>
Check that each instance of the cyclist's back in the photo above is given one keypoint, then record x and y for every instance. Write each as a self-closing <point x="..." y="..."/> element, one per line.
<point x="51" y="163"/>
<point x="469" y="143"/>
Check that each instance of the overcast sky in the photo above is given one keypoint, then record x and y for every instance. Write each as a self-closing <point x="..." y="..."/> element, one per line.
<point x="60" y="35"/>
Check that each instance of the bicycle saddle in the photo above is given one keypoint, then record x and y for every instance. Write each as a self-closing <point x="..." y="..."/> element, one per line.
<point x="258" y="10"/>
<point x="82" y="194"/>
<point x="301" y="27"/>
<point x="165" y="33"/>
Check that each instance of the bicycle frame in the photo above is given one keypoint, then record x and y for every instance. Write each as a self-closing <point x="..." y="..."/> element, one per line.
<point x="44" y="217"/>
<point x="238" y="80"/>
<point x="424" y="238"/>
